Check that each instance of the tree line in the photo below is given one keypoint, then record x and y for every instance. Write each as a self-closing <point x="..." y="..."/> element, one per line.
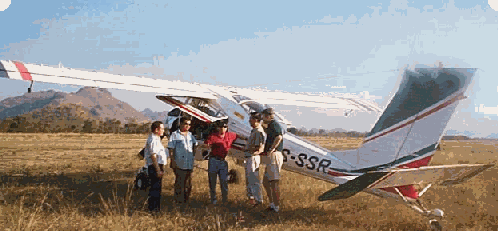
<point x="323" y="132"/>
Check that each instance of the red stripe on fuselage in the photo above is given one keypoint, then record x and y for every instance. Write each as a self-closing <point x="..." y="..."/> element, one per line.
<point x="187" y="109"/>
<point x="425" y="114"/>
<point x="332" y="173"/>
<point x="24" y="71"/>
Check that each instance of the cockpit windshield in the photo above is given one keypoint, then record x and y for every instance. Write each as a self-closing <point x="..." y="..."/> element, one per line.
<point x="248" y="104"/>
<point x="251" y="105"/>
<point x="210" y="107"/>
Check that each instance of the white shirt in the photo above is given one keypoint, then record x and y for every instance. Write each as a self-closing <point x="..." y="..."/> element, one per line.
<point x="154" y="146"/>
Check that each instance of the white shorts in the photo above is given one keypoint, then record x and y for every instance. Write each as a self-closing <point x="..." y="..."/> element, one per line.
<point x="252" y="163"/>
<point x="274" y="164"/>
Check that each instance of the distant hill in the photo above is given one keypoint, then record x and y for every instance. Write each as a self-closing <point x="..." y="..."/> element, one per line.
<point x="100" y="103"/>
<point x="153" y="115"/>
<point x="28" y="102"/>
<point x="452" y="132"/>
<point x="456" y="138"/>
<point x="88" y="109"/>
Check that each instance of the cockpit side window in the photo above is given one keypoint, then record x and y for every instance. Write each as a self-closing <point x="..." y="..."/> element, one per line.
<point x="209" y="107"/>
<point x="240" y="98"/>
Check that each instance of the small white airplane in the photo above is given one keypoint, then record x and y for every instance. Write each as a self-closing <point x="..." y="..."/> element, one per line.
<point x="391" y="163"/>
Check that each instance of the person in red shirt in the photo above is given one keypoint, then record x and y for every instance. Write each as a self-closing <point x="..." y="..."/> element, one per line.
<point x="219" y="142"/>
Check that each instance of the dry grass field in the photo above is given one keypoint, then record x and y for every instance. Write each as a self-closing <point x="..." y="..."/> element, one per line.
<point x="83" y="182"/>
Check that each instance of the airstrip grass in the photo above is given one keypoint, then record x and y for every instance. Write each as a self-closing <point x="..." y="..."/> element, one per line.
<point x="84" y="182"/>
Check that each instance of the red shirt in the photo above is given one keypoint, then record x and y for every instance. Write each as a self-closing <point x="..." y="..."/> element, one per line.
<point x="220" y="145"/>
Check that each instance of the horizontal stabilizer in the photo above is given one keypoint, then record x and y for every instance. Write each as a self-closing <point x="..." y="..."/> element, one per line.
<point x="352" y="187"/>
<point x="442" y="174"/>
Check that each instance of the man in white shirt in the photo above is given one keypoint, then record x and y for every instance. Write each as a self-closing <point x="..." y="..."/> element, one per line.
<point x="155" y="157"/>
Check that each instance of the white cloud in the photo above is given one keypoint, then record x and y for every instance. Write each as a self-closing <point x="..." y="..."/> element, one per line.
<point x="4" y="4"/>
<point x="487" y="110"/>
<point x="329" y="19"/>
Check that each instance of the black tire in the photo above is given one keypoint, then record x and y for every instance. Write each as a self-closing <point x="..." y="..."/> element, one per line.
<point x="233" y="177"/>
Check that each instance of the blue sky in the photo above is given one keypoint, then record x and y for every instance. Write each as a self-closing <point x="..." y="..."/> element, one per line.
<point x="282" y="45"/>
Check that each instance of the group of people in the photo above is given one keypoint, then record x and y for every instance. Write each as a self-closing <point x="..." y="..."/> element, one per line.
<point x="264" y="146"/>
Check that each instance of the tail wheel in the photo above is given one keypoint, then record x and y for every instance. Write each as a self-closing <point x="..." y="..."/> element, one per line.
<point x="435" y="225"/>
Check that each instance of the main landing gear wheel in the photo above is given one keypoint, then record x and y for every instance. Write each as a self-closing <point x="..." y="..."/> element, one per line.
<point x="435" y="225"/>
<point x="233" y="177"/>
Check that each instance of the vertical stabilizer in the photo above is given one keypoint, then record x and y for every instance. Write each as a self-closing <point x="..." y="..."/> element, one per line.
<point x="409" y="130"/>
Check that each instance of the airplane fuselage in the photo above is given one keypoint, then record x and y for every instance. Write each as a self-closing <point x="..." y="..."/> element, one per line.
<point x="300" y="155"/>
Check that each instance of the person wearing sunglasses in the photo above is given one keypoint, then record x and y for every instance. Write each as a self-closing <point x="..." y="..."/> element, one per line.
<point x="219" y="142"/>
<point x="182" y="145"/>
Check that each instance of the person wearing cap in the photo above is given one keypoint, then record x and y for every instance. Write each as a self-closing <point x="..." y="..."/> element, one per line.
<point x="273" y="158"/>
<point x="219" y="142"/>
<point x="182" y="145"/>
<point x="255" y="146"/>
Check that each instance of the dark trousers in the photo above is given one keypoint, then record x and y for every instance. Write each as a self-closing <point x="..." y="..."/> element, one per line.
<point x="155" y="189"/>
<point x="183" y="185"/>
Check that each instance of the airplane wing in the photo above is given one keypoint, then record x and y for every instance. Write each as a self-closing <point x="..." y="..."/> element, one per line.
<point x="39" y="73"/>
<point x="328" y="101"/>
<point x="442" y="174"/>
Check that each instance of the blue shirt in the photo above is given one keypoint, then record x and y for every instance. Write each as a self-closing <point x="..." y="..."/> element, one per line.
<point x="183" y="145"/>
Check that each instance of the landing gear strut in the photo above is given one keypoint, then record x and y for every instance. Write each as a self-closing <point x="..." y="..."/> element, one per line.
<point x="435" y="215"/>
<point x="30" y="87"/>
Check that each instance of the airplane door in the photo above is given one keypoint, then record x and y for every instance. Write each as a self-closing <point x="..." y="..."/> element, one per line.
<point x="238" y="121"/>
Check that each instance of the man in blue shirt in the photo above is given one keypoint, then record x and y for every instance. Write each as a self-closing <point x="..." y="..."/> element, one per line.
<point x="182" y="145"/>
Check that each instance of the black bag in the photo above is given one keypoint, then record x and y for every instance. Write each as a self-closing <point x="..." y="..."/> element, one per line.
<point x="141" y="154"/>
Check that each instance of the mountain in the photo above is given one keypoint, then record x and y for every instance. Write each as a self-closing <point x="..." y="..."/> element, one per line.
<point x="153" y="115"/>
<point x="99" y="103"/>
<point x="28" y="102"/>
<point x="452" y="132"/>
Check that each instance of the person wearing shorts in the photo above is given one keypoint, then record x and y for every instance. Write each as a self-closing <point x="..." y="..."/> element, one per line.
<point x="273" y="159"/>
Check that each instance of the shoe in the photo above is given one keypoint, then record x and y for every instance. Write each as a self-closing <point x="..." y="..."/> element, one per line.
<point x="270" y="210"/>
<point x="257" y="204"/>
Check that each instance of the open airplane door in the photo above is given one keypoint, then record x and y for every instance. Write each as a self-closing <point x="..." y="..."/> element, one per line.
<point x="203" y="111"/>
